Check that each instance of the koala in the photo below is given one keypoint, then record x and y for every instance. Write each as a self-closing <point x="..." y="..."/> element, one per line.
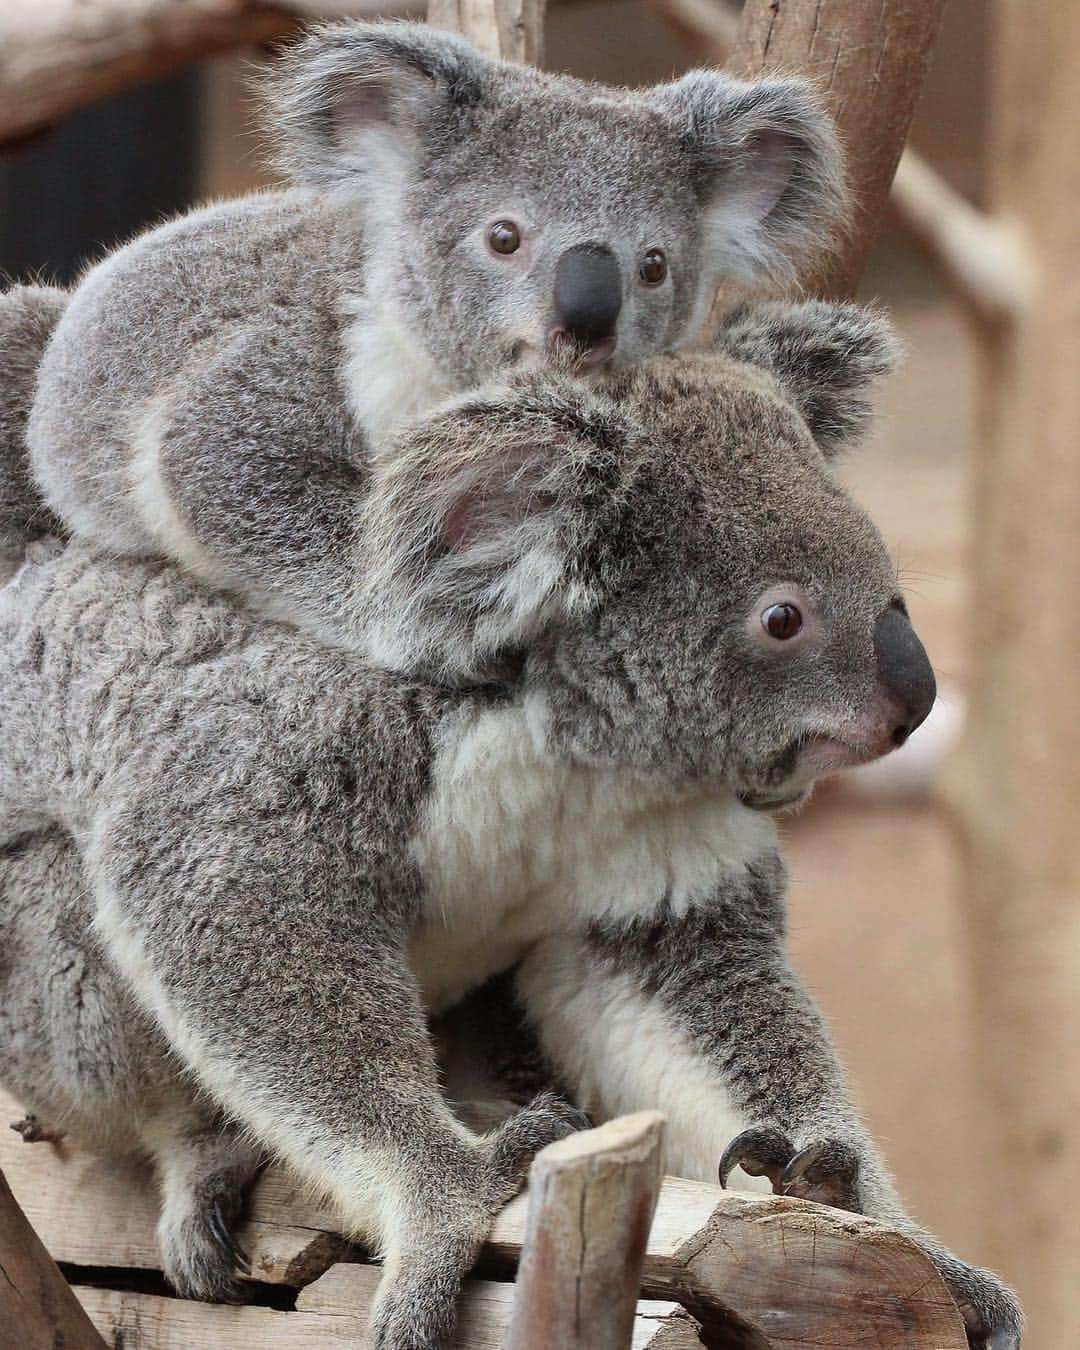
<point x="612" y="632"/>
<point x="214" y="390"/>
<point x="28" y="315"/>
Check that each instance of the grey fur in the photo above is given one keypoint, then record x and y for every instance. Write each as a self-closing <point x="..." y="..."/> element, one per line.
<point x="292" y="853"/>
<point x="217" y="388"/>
<point x="28" y="315"/>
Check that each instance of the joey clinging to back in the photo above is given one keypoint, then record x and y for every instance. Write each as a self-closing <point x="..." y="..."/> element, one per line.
<point x="216" y="389"/>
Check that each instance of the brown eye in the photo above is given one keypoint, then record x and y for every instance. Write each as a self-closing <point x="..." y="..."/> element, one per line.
<point x="504" y="237"/>
<point x="653" y="267"/>
<point x="781" y="621"/>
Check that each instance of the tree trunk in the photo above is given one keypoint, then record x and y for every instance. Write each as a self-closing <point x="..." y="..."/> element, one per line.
<point x="513" y="29"/>
<point x="870" y="62"/>
<point x="1017" y="783"/>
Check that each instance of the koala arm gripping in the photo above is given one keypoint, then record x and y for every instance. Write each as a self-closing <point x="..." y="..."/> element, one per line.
<point x="701" y="1017"/>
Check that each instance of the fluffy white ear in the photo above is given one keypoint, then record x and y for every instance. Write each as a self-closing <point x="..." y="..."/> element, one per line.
<point x="825" y="357"/>
<point x="483" y="521"/>
<point x="348" y="101"/>
<point x="769" y="171"/>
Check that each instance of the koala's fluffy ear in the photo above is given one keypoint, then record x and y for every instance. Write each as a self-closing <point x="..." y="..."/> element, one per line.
<point x="482" y="519"/>
<point x="349" y="99"/>
<point x="824" y="356"/>
<point x="768" y="171"/>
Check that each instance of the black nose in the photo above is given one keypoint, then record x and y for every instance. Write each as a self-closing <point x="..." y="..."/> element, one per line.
<point x="904" y="669"/>
<point x="588" y="293"/>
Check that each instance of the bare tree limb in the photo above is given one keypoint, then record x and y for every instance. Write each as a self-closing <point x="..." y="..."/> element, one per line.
<point x="38" y="1311"/>
<point x="513" y="29"/>
<point x="869" y="61"/>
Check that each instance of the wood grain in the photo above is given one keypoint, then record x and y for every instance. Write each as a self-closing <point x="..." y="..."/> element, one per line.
<point x="869" y="61"/>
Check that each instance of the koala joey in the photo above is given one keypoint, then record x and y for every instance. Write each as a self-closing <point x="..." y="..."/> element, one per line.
<point x="216" y="388"/>
<point x="663" y="618"/>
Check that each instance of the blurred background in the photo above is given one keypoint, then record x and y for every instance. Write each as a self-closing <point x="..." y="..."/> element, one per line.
<point x="879" y="928"/>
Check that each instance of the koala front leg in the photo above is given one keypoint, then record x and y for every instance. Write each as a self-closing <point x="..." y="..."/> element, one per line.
<point x="702" y="1018"/>
<point x="276" y="969"/>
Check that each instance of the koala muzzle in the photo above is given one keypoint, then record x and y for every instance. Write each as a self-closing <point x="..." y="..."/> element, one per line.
<point x="588" y="298"/>
<point x="904" y="669"/>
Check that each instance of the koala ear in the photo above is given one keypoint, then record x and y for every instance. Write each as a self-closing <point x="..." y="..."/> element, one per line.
<point x="825" y="356"/>
<point x="349" y="100"/>
<point x="481" y="520"/>
<point x="768" y="171"/>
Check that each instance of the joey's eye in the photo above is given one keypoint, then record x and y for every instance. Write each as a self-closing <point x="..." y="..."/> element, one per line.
<point x="781" y="621"/>
<point x="653" y="267"/>
<point x="504" y="237"/>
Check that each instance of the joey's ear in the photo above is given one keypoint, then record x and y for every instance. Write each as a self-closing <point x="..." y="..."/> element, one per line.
<point x="483" y="523"/>
<point x="825" y="356"/>
<point x="349" y="100"/>
<point x="768" y="171"/>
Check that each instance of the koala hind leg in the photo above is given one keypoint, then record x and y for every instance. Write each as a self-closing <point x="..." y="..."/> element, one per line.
<point x="205" y="1171"/>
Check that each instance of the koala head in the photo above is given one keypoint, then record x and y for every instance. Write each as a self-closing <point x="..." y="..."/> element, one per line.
<point x="669" y="569"/>
<point x="515" y="215"/>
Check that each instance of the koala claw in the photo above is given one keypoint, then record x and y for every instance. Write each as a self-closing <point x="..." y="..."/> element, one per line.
<point x="992" y="1316"/>
<point x="825" y="1171"/>
<point x="760" y="1152"/>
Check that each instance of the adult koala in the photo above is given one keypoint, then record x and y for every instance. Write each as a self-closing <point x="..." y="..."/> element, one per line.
<point x="608" y="634"/>
<point x="213" y="389"/>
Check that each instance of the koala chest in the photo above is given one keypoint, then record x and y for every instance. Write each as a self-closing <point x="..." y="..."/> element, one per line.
<point x="515" y="847"/>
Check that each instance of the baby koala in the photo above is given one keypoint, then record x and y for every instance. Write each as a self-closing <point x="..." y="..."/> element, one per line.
<point x="608" y="633"/>
<point x="216" y="389"/>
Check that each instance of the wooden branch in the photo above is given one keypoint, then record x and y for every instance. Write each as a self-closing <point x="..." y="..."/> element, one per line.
<point x="784" y="1271"/>
<point x="512" y="29"/>
<point x="59" y="56"/>
<point x="591" y="1203"/>
<point x="37" y="1308"/>
<point x="869" y="62"/>
<point x="982" y="259"/>
<point x="1017" y="782"/>
<point x="333" y="1314"/>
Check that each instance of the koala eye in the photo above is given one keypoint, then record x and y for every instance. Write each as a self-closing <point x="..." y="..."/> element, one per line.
<point x="782" y="621"/>
<point x="653" y="267"/>
<point x="504" y="237"/>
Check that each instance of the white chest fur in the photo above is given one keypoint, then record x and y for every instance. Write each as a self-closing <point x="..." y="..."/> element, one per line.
<point x="516" y="846"/>
<point x="387" y="375"/>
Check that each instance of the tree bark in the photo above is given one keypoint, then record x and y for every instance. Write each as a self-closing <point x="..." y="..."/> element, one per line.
<point x="869" y="61"/>
<point x="591" y="1203"/>
<point x="1017" y="782"/>
<point x="38" y="1311"/>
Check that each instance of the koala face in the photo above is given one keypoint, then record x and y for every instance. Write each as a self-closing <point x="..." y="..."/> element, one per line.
<point x="750" y="628"/>
<point x="670" y="567"/>
<point x="519" y="218"/>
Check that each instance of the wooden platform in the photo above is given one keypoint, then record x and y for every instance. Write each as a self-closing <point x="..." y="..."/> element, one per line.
<point x="721" y="1269"/>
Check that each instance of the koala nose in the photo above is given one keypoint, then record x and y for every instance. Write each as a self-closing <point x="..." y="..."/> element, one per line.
<point x="904" y="669"/>
<point x="588" y="297"/>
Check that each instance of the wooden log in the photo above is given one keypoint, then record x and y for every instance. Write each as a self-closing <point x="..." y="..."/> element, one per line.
<point x="512" y="29"/>
<point x="869" y="61"/>
<point x="784" y="1271"/>
<point x="333" y="1314"/>
<point x="591" y="1203"/>
<point x="37" y="1308"/>
<point x="1017" y="781"/>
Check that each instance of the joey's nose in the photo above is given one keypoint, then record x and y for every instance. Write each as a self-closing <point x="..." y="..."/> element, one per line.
<point x="588" y="296"/>
<point x="904" y="669"/>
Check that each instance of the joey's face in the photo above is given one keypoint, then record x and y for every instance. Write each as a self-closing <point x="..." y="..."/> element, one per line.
<point x="750" y="631"/>
<point x="564" y="233"/>
<point x="515" y="219"/>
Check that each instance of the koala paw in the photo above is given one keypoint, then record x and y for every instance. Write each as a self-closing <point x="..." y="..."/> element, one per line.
<point x="201" y="1256"/>
<point x="825" y="1171"/>
<point x="992" y="1315"/>
<point x="515" y="1143"/>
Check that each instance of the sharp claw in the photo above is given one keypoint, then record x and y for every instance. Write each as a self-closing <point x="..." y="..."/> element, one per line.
<point x="222" y="1233"/>
<point x="759" y="1152"/>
